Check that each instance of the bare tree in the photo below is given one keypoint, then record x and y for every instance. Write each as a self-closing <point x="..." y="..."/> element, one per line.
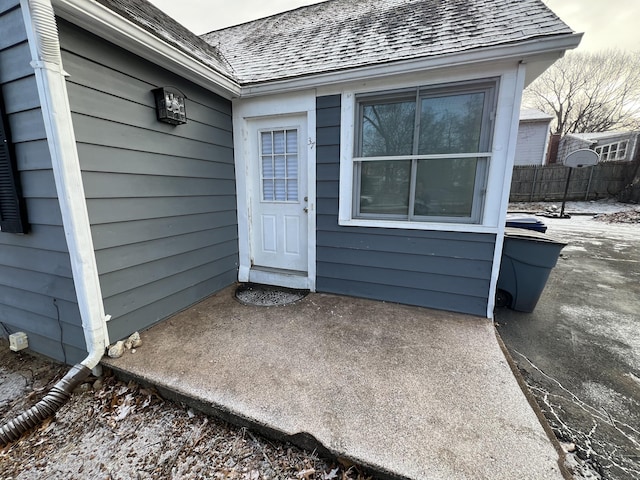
<point x="589" y="92"/>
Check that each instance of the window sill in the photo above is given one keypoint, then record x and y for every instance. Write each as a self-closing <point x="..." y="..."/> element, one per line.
<point x="432" y="226"/>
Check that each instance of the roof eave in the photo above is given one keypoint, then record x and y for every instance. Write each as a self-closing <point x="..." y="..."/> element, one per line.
<point x="126" y="34"/>
<point x="552" y="47"/>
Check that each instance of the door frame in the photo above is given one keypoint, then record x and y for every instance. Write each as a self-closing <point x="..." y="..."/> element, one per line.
<point x="244" y="111"/>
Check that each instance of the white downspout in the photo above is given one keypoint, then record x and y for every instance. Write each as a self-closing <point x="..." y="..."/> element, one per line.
<point x="42" y="33"/>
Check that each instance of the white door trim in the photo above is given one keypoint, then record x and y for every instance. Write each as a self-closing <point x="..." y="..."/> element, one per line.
<point x="245" y="110"/>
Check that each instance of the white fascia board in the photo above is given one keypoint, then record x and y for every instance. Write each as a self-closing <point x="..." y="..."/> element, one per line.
<point x="551" y="47"/>
<point x="108" y="25"/>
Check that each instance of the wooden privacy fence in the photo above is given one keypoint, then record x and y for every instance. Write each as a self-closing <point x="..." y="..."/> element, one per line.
<point x="539" y="183"/>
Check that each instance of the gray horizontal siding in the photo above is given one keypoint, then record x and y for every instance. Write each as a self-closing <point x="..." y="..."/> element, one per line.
<point x="33" y="155"/>
<point x="104" y="106"/>
<point x="27" y="125"/>
<point x="117" y="234"/>
<point x="157" y="309"/>
<point x="21" y="95"/>
<point x="42" y="261"/>
<point x="123" y="210"/>
<point x="41" y="282"/>
<point x="443" y="270"/>
<point x="161" y="198"/>
<point x="13" y="31"/>
<point x="105" y="158"/>
<point x="12" y="64"/>
<point x="139" y="253"/>
<point x="42" y="237"/>
<point x="64" y="330"/>
<point x="37" y="294"/>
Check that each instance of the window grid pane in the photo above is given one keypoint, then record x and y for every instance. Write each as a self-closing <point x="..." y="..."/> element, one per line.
<point x="445" y="187"/>
<point x="451" y="123"/>
<point x="279" y="165"/>
<point x="388" y="128"/>
<point x="385" y="187"/>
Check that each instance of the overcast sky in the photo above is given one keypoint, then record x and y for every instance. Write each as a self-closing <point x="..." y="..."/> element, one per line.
<point x="613" y="26"/>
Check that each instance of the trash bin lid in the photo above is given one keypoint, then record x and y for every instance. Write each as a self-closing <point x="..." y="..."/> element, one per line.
<point x="521" y="220"/>
<point x="531" y="235"/>
<point x="531" y="247"/>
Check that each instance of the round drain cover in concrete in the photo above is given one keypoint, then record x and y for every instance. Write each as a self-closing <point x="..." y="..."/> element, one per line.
<point x="267" y="295"/>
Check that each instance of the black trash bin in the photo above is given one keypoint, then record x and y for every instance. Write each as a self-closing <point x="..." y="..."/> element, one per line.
<point x="527" y="260"/>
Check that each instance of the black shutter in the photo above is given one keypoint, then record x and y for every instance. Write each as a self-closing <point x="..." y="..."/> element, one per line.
<point x="13" y="212"/>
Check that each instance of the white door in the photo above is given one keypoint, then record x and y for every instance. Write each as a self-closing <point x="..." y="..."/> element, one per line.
<point x="278" y="218"/>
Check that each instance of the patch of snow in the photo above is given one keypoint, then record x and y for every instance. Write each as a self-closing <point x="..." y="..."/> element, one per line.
<point x="582" y="227"/>
<point x="623" y="328"/>
<point x="574" y="248"/>
<point x="606" y="398"/>
<point x="581" y="469"/>
<point x="591" y="207"/>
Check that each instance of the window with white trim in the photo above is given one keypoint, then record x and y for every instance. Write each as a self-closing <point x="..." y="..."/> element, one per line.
<point x="613" y="151"/>
<point x="422" y="155"/>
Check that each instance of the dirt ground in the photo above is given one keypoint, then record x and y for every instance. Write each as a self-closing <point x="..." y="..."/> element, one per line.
<point x="111" y="430"/>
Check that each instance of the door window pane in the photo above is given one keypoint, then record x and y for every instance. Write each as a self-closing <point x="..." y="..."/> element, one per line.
<point x="279" y="165"/>
<point x="292" y="141"/>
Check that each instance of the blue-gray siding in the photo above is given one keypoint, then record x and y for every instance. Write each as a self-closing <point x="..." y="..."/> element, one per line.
<point x="443" y="270"/>
<point x="161" y="198"/>
<point x="37" y="294"/>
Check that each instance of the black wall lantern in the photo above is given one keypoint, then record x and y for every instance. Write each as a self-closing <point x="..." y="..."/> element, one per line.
<point x="170" y="105"/>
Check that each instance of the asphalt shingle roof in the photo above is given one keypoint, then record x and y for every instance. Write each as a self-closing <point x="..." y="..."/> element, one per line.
<point x="154" y="20"/>
<point x="342" y="34"/>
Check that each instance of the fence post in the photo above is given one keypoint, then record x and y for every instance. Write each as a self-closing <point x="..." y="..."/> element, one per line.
<point x="586" y="196"/>
<point x="533" y="185"/>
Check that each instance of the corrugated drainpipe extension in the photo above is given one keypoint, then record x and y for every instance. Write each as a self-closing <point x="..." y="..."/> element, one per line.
<point x="47" y="62"/>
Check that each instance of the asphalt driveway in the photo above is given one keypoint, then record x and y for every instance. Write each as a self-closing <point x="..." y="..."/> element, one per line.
<point x="579" y="351"/>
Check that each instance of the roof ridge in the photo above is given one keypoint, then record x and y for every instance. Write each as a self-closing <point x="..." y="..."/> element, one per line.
<point x="302" y="7"/>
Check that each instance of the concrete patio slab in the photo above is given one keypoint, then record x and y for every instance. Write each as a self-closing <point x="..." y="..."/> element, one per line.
<point x="406" y="391"/>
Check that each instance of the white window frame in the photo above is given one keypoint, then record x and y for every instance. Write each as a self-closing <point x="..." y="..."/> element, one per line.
<point x="488" y="87"/>
<point x="604" y="151"/>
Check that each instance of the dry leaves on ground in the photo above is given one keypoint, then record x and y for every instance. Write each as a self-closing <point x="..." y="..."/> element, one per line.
<point x="631" y="216"/>
<point x="115" y="430"/>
